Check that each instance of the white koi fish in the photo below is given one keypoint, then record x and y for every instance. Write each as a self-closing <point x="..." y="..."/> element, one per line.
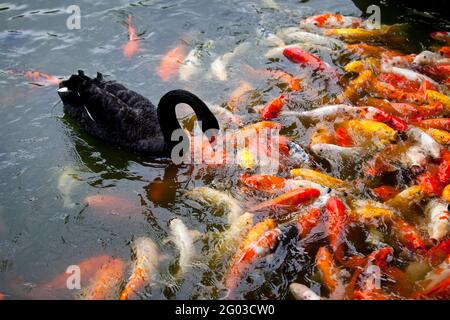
<point x="302" y="292"/>
<point x="66" y="184"/>
<point x="425" y="142"/>
<point x="438" y="216"/>
<point x="183" y="238"/>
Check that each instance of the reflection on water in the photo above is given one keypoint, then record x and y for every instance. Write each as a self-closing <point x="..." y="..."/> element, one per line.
<point x="39" y="235"/>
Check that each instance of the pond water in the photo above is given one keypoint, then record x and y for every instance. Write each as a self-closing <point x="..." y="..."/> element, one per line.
<point x="48" y="166"/>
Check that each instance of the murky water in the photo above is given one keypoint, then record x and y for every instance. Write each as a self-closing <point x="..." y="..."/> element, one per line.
<point x="42" y="231"/>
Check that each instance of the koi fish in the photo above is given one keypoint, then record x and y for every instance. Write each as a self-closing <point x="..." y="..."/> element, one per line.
<point x="445" y="51"/>
<point x="67" y="182"/>
<point x="439" y="252"/>
<point x="369" y="133"/>
<point x="147" y="258"/>
<point x="367" y="50"/>
<point x="328" y="270"/>
<point x="330" y="20"/>
<point x="192" y="63"/>
<point x="369" y="209"/>
<point x="385" y="192"/>
<point x="446" y="193"/>
<point x="330" y="112"/>
<point x="436" y="283"/>
<point x="443" y="36"/>
<point x="218" y="68"/>
<point x="440" y="136"/>
<point x="407" y="198"/>
<point x="359" y="34"/>
<point x="437" y="97"/>
<point x="307" y="221"/>
<point x="368" y="279"/>
<point x="38" y="78"/>
<point x="289" y="200"/>
<point x="292" y="82"/>
<point x="236" y="231"/>
<point x="426" y="142"/>
<point x="261" y="240"/>
<point x="273" y="108"/>
<point x="88" y="268"/>
<point x="105" y="282"/>
<point x="437" y="213"/>
<point x="436" y="123"/>
<point x="336" y="221"/>
<point x="319" y="178"/>
<point x="171" y="62"/>
<point x="428" y="57"/>
<point x="408" y="235"/>
<point x="238" y="94"/>
<point x="184" y="241"/>
<point x="111" y="204"/>
<point x="296" y="35"/>
<point x="357" y="86"/>
<point x="219" y="199"/>
<point x="264" y="182"/>
<point x="302" y="292"/>
<point x="132" y="46"/>
<point x="304" y="58"/>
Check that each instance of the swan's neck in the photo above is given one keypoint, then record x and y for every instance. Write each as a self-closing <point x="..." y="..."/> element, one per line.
<point x="167" y="116"/>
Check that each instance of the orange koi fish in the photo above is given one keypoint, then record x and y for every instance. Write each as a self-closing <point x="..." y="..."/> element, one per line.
<point x="264" y="182"/>
<point x="385" y="192"/>
<point x="170" y="63"/>
<point x="38" y="78"/>
<point x="132" y="46"/>
<point x="367" y="50"/>
<point x="261" y="240"/>
<point x="273" y="108"/>
<point x="105" y="281"/>
<point x="304" y="58"/>
<point x="408" y="235"/>
<point x="88" y="268"/>
<point x="336" y="221"/>
<point x="342" y="138"/>
<point x="289" y="200"/>
<point x="445" y="51"/>
<point x="436" y="123"/>
<point x="376" y="114"/>
<point x="307" y="221"/>
<point x="111" y="204"/>
<point x="327" y="268"/>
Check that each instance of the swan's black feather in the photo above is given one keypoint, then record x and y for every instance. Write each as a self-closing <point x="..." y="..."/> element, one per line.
<point x="115" y="114"/>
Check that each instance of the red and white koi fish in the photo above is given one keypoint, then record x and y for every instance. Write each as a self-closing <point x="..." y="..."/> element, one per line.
<point x="145" y="265"/>
<point x="330" y="20"/>
<point x="443" y="36"/>
<point x="430" y="58"/>
<point x="261" y="240"/>
<point x="368" y="281"/>
<point x="436" y="284"/>
<point x="132" y="46"/>
<point x="171" y="62"/>
<point x="439" y="252"/>
<point x="105" y="282"/>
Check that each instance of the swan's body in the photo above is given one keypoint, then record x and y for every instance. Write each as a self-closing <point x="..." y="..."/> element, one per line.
<point x="109" y="111"/>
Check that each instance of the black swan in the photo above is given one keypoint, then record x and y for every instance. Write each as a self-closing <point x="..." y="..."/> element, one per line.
<point x="121" y="117"/>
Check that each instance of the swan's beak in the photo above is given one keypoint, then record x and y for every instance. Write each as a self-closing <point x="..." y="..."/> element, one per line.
<point x="63" y="90"/>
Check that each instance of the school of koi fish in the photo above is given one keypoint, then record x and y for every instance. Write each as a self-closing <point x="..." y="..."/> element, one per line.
<point x="365" y="204"/>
